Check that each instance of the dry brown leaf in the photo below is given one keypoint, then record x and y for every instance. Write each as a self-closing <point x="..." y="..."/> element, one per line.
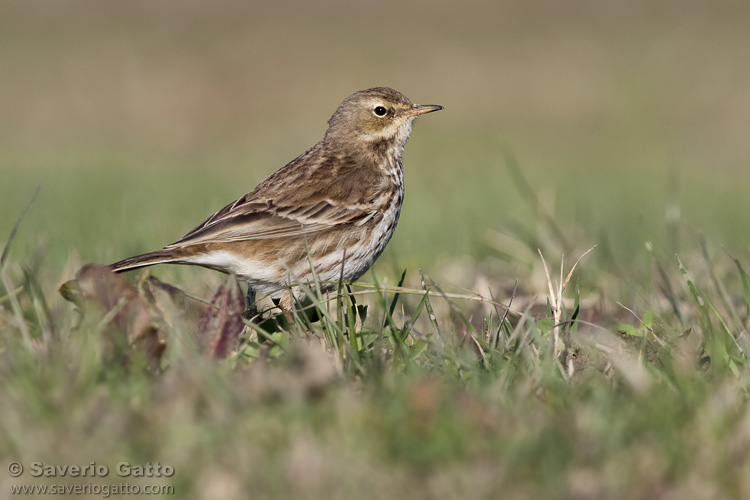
<point x="111" y="292"/>
<point x="221" y="326"/>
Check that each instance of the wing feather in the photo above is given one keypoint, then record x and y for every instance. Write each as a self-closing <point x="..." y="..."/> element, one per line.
<point x="260" y="219"/>
<point x="265" y="224"/>
<point x="346" y="194"/>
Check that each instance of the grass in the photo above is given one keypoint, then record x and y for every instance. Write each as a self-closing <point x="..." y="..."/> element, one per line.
<point x="436" y="392"/>
<point x="564" y="128"/>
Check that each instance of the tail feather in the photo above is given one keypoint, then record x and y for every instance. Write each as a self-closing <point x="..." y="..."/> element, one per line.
<point x="147" y="259"/>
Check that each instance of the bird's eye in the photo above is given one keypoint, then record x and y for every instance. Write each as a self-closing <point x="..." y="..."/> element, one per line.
<point x="380" y="111"/>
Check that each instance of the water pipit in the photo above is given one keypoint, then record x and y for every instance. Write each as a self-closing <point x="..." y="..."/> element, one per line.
<point x="338" y="203"/>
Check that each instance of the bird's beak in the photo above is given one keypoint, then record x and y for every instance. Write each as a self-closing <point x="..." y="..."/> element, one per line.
<point x="420" y="109"/>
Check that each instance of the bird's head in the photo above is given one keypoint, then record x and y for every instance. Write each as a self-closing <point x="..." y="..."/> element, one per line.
<point x="376" y="116"/>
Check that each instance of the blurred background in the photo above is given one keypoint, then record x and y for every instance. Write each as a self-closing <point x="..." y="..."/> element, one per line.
<point x="629" y="120"/>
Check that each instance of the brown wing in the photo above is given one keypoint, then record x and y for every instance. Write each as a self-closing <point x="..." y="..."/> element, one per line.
<point x="286" y="204"/>
<point x="257" y="221"/>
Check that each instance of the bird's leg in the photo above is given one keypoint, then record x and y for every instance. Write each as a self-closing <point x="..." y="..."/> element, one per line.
<point x="250" y="298"/>
<point x="354" y="309"/>
<point x="285" y="304"/>
<point x="251" y="310"/>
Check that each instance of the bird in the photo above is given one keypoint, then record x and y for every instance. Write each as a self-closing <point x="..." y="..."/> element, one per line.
<point x="327" y="214"/>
